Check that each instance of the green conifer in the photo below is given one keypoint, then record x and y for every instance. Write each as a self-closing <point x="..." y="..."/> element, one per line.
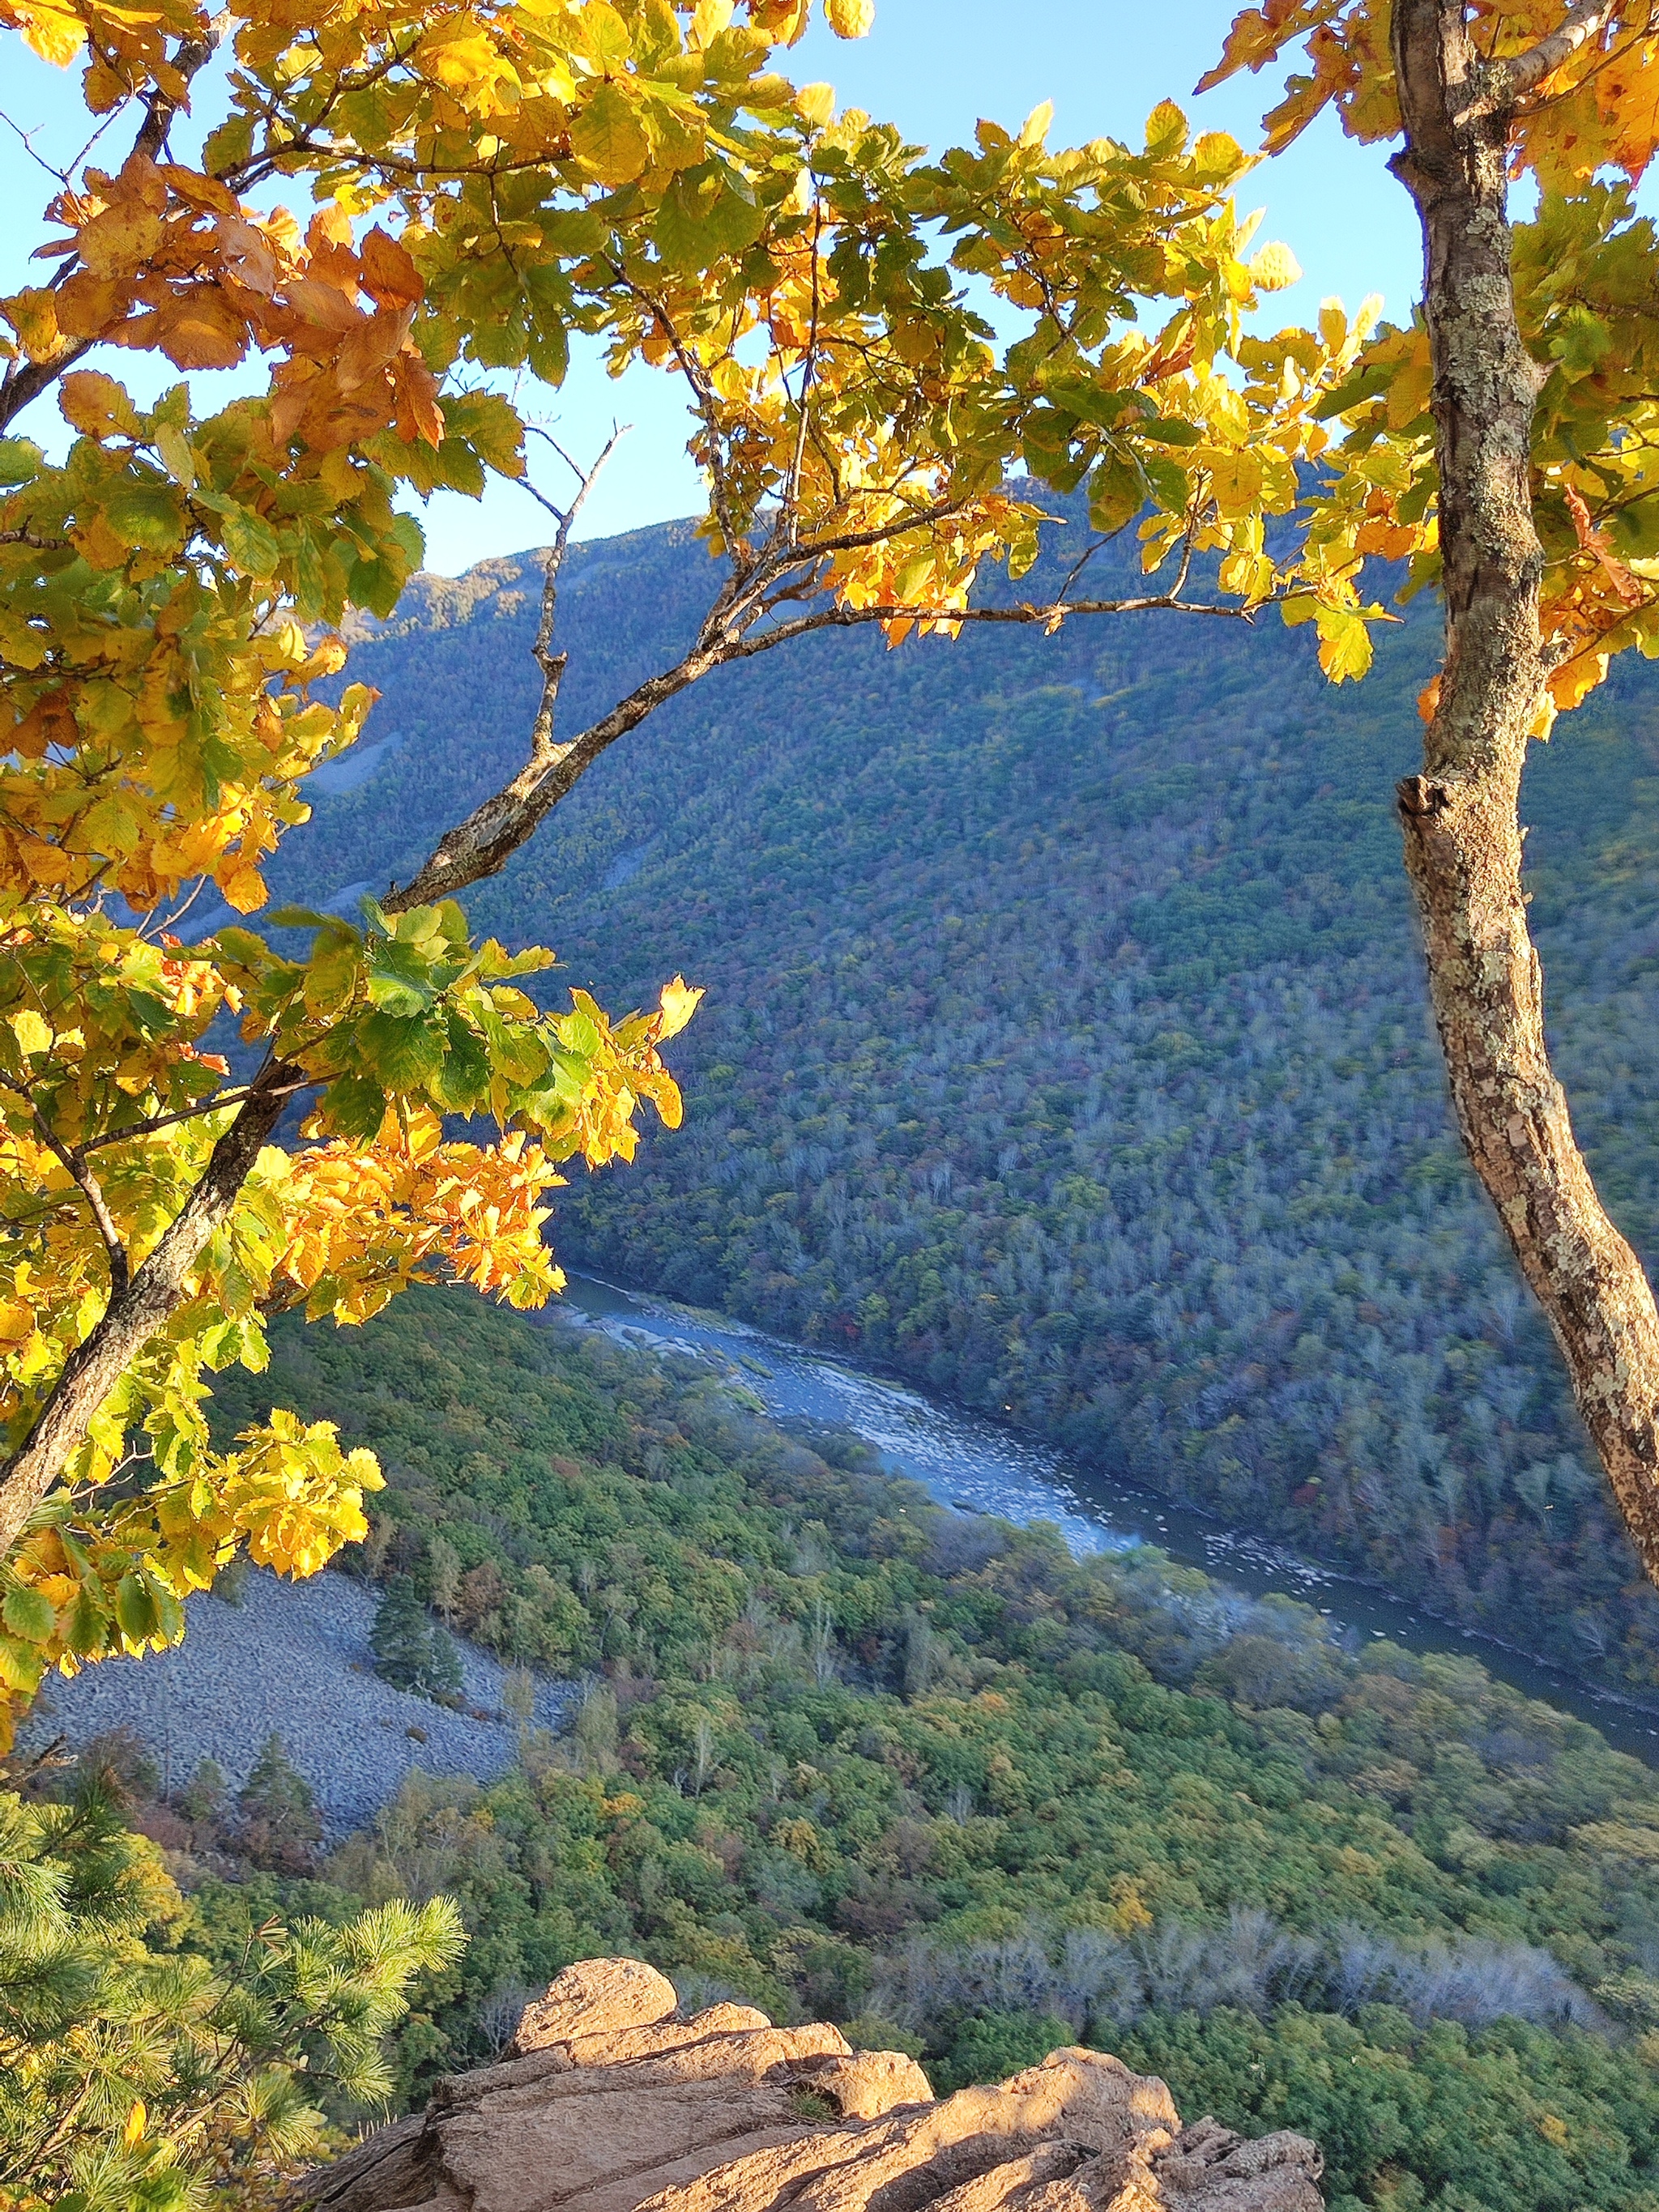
<point x="411" y="1652"/>
<point x="401" y="1637"/>
<point x="277" y="1824"/>
<point x="132" y="2073"/>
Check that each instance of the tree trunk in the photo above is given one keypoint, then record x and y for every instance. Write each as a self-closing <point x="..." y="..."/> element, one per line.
<point x="134" y="1314"/>
<point x="1462" y="833"/>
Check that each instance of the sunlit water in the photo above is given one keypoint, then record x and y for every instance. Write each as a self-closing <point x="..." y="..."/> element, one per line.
<point x="976" y="1465"/>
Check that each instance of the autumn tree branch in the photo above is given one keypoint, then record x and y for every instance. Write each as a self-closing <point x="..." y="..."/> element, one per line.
<point x="1503" y="83"/>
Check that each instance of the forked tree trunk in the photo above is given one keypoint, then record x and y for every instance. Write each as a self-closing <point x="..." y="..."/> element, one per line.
<point x="1460" y="815"/>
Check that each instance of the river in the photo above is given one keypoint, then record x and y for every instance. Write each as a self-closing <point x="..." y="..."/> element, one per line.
<point x="973" y="1464"/>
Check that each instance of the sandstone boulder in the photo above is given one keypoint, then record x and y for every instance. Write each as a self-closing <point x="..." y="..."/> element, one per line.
<point x="610" y="2103"/>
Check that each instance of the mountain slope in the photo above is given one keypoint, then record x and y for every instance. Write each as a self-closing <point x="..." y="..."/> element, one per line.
<point x="1066" y="1042"/>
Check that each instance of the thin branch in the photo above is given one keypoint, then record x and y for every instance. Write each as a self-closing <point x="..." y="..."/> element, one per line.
<point x="491" y="827"/>
<point x="74" y="1166"/>
<point x="552" y="665"/>
<point x="702" y="390"/>
<point x="1049" y="616"/>
<point x="537" y="430"/>
<point x="215" y="1105"/>
<point x="853" y="541"/>
<point x="141" y="1306"/>
<point x="17" y="1775"/>
<point x="27" y="138"/>
<point x="487" y="839"/>
<point x="789" y="509"/>
<point x="25" y="381"/>
<point x="163" y="929"/>
<point x="1500" y="84"/>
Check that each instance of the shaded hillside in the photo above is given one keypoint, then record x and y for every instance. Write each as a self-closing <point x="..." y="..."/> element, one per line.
<point x="1067" y="1044"/>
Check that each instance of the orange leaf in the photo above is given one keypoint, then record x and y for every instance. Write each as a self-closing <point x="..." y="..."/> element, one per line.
<point x="390" y="276"/>
<point x="202" y="330"/>
<point x="418" y="412"/>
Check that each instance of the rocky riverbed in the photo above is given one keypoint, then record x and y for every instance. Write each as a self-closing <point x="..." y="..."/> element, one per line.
<point x="293" y="1659"/>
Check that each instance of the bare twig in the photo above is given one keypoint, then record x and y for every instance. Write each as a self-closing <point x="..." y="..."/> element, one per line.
<point x="462" y="856"/>
<point x="734" y="630"/>
<point x="154" y="928"/>
<point x="27" y="138"/>
<point x="551" y="664"/>
<point x="26" y="1768"/>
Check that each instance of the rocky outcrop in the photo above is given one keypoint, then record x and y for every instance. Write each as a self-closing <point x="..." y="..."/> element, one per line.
<point x="609" y="2102"/>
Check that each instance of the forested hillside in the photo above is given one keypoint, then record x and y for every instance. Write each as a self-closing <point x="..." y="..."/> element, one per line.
<point x="849" y="1755"/>
<point x="1066" y="1043"/>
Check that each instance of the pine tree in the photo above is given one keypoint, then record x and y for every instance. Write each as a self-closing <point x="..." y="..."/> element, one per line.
<point x="401" y="1638"/>
<point x="277" y="1824"/>
<point x="203" y="1797"/>
<point x="130" y="2075"/>
<point x="444" y="1681"/>
<point x="409" y="1651"/>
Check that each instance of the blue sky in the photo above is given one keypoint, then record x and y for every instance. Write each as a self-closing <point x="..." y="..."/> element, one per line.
<point x="933" y="67"/>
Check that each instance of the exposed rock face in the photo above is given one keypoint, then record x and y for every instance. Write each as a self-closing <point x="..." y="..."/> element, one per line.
<point x="611" y="2103"/>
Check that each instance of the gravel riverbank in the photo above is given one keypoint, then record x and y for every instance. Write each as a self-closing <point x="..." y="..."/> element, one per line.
<point x="292" y="1658"/>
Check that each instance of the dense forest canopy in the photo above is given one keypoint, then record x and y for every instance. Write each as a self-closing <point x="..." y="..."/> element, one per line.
<point x="1066" y="1046"/>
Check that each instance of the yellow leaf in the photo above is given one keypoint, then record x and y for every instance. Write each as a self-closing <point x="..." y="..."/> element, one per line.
<point x="136" y="2121"/>
<point x="1345" y="643"/>
<point x="1274" y="268"/>
<point x="52" y="32"/>
<point x="816" y="105"/>
<point x="680" y="1001"/>
<point x="33" y="313"/>
<point x="609" y="139"/>
<point x="33" y="1032"/>
<point x="93" y="403"/>
<point x="1166" y="130"/>
<point x="244" y="890"/>
<point x="850" y="19"/>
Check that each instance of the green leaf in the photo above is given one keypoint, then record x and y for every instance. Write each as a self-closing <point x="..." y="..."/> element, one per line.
<point x="354" y="1107"/>
<point x="462" y="1076"/>
<point x="681" y="230"/>
<point x="242" y="946"/>
<point x="20" y="460"/>
<point x="28" y="1614"/>
<point x="1169" y="430"/>
<point x="136" y="1610"/>
<point x="404" y="1055"/>
<point x="304" y="917"/>
<point x="396" y="995"/>
<point x="608" y="137"/>
<point x="147" y="514"/>
<point x="249" y="541"/>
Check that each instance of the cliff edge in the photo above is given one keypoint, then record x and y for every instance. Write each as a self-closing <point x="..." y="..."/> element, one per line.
<point x="611" y="2103"/>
